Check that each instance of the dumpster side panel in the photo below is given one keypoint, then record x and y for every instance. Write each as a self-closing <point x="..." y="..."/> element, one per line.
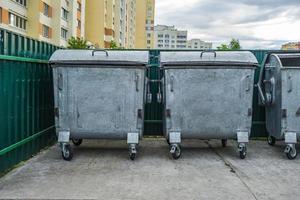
<point x="209" y="103"/>
<point x="290" y="100"/>
<point x="100" y="103"/>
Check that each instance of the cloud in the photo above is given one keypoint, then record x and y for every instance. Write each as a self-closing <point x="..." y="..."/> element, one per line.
<point x="257" y="23"/>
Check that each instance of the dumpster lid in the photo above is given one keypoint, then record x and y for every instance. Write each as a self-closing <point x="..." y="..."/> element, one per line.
<point x="289" y="59"/>
<point x="208" y="58"/>
<point x="99" y="57"/>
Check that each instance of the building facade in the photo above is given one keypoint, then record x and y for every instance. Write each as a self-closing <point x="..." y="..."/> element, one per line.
<point x="45" y="20"/>
<point x="168" y="37"/>
<point x="198" y="44"/>
<point x="110" y="20"/>
<point x="145" y="24"/>
<point x="291" y="46"/>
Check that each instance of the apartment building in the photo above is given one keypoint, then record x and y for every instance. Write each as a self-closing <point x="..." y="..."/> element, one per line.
<point x="145" y="24"/>
<point x="198" y="44"/>
<point x="168" y="37"/>
<point x="291" y="46"/>
<point x="45" y="20"/>
<point x="110" y="20"/>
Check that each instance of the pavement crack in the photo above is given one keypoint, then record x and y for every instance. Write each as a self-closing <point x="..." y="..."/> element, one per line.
<point x="232" y="168"/>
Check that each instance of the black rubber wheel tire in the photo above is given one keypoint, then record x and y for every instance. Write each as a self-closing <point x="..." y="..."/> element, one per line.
<point x="69" y="156"/>
<point x="224" y="142"/>
<point x="271" y="140"/>
<point x="243" y="153"/>
<point x="291" y="155"/>
<point x="132" y="156"/>
<point x="177" y="153"/>
<point x="77" y="142"/>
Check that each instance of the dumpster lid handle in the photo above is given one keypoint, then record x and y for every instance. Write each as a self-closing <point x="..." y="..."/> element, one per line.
<point x="93" y="52"/>
<point x="208" y="51"/>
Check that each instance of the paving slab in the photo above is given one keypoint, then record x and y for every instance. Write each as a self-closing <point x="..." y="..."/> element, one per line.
<point x="102" y="170"/>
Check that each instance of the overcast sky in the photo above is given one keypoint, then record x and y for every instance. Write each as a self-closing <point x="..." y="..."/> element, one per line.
<point x="256" y="23"/>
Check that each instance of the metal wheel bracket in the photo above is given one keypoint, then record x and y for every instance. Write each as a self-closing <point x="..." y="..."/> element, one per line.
<point x="132" y="138"/>
<point x="242" y="136"/>
<point x="175" y="137"/>
<point x="173" y="148"/>
<point x="241" y="146"/>
<point x="290" y="138"/>
<point x="289" y="147"/>
<point x="132" y="149"/>
<point x="63" y="136"/>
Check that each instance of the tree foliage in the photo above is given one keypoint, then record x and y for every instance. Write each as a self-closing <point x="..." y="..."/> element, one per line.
<point x="77" y="43"/>
<point x="233" y="45"/>
<point x="113" y="45"/>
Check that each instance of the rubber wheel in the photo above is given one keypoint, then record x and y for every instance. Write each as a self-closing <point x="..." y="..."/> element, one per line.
<point x="243" y="153"/>
<point x="77" y="142"/>
<point x="68" y="155"/>
<point x="168" y="142"/>
<point x="224" y="142"/>
<point x="292" y="154"/>
<point x="132" y="156"/>
<point x="177" y="153"/>
<point x="271" y="140"/>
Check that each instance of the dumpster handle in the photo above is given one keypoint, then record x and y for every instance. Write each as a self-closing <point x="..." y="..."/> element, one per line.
<point x="93" y="52"/>
<point x="215" y="53"/>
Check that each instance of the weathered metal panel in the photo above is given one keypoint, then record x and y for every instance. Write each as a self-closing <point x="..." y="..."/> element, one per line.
<point x="26" y="99"/>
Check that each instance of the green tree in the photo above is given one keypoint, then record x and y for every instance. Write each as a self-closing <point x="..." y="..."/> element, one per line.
<point x="233" y="45"/>
<point x="113" y="45"/>
<point x="77" y="43"/>
<point x="223" y="47"/>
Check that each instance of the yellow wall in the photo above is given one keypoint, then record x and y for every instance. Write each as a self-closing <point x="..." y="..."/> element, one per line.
<point x="140" y="33"/>
<point x="94" y="24"/>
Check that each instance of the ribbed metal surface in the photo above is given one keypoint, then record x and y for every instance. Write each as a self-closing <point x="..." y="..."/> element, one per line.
<point x="26" y="98"/>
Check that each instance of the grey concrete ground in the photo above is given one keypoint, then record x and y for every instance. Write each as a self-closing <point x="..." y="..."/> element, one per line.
<point x="102" y="170"/>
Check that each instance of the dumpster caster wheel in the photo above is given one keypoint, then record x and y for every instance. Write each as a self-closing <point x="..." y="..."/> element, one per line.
<point x="290" y="152"/>
<point x="132" y="156"/>
<point x="271" y="140"/>
<point x="132" y="151"/>
<point x="224" y="142"/>
<point x="243" y="151"/>
<point x="175" y="151"/>
<point x="77" y="142"/>
<point x="67" y="152"/>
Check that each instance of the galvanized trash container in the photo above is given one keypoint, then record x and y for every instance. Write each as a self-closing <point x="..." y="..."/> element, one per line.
<point x="208" y="95"/>
<point x="99" y="95"/>
<point x="279" y="89"/>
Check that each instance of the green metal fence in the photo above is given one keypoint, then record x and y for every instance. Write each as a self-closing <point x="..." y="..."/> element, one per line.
<point x="26" y="98"/>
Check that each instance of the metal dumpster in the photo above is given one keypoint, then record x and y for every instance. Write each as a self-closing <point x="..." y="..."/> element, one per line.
<point x="99" y="95"/>
<point x="279" y="89"/>
<point x="208" y="95"/>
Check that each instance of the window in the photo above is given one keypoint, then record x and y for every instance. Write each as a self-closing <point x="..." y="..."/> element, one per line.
<point x="181" y="36"/>
<point x="63" y="33"/>
<point x="46" y="9"/>
<point x="78" y="23"/>
<point x="160" y="41"/>
<point x="64" y="14"/>
<point x="167" y="36"/>
<point x="22" y="2"/>
<point x="167" y="41"/>
<point x="17" y="21"/>
<point x="160" y="35"/>
<point x="160" y="45"/>
<point x="148" y="41"/>
<point x="148" y="35"/>
<point x="46" y="31"/>
<point x="78" y="6"/>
